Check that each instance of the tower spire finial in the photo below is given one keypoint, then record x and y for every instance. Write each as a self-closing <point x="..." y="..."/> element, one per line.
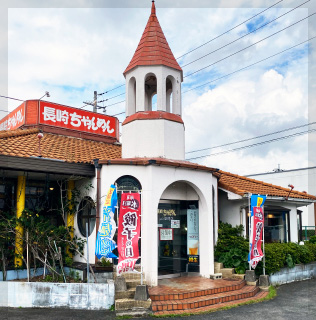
<point x="153" y="8"/>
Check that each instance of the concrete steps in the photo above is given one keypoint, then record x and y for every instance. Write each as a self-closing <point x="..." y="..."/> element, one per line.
<point x="187" y="305"/>
<point x="125" y="304"/>
<point x="129" y="304"/>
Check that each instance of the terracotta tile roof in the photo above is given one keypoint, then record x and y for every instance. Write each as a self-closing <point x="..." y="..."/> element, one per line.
<point x="24" y="143"/>
<point x="153" y="48"/>
<point x="159" y="162"/>
<point x="242" y="185"/>
<point x="153" y="115"/>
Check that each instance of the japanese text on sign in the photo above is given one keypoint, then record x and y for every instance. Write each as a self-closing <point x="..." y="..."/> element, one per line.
<point x="76" y="119"/>
<point x="14" y="119"/>
<point x="165" y="234"/>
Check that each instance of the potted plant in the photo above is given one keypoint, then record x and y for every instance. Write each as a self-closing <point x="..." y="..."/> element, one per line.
<point x="104" y="264"/>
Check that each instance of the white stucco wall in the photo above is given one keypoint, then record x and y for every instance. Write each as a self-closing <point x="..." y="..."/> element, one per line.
<point x="229" y="210"/>
<point x="153" y="138"/>
<point x="155" y="180"/>
<point x="302" y="179"/>
<point x="83" y="186"/>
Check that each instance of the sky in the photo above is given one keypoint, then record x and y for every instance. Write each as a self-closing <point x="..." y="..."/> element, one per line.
<point x="71" y="52"/>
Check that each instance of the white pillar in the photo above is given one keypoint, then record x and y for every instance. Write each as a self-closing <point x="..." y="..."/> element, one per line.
<point x="206" y="242"/>
<point x="293" y="225"/>
<point x="149" y="237"/>
<point x="161" y="92"/>
<point x="176" y="96"/>
<point x="140" y="93"/>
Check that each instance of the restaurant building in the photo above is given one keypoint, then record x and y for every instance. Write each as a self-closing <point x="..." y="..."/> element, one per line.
<point x="43" y="143"/>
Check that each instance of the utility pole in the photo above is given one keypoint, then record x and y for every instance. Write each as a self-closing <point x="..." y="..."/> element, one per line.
<point x="95" y="101"/>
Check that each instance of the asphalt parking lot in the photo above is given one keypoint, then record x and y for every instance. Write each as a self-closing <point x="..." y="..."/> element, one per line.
<point x="294" y="301"/>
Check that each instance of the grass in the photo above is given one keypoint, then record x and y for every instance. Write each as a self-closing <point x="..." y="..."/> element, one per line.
<point x="271" y="295"/>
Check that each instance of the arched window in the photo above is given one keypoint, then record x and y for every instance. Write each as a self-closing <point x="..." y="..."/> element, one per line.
<point x="169" y="91"/>
<point x="150" y="92"/>
<point x="86" y="214"/>
<point x="131" y="96"/>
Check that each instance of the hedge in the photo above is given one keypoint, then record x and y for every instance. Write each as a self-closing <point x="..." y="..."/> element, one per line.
<point x="277" y="255"/>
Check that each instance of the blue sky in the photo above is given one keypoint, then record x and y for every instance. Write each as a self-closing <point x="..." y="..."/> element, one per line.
<point x="72" y="52"/>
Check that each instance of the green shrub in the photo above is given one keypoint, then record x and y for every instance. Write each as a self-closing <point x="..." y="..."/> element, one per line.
<point x="305" y="254"/>
<point x="312" y="239"/>
<point x="312" y="247"/>
<point x="275" y="257"/>
<point x="235" y="258"/>
<point x="232" y="248"/>
<point x="230" y="237"/>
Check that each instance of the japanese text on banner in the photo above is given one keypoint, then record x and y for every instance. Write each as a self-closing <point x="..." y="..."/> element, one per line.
<point x="128" y="232"/>
<point x="105" y="243"/>
<point x="257" y="226"/>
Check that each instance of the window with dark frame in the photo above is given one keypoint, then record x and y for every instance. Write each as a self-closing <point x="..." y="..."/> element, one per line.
<point x="86" y="214"/>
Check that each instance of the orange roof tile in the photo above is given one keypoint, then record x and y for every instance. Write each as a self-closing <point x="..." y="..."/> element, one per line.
<point x="153" y="48"/>
<point x="242" y="185"/>
<point x="159" y="162"/>
<point x="24" y="143"/>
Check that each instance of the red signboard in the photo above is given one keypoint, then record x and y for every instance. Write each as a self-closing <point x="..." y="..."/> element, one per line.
<point x="14" y="119"/>
<point x="76" y="119"/>
<point x="258" y="223"/>
<point x="128" y="232"/>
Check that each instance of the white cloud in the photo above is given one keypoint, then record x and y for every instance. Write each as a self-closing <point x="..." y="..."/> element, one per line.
<point x="72" y="52"/>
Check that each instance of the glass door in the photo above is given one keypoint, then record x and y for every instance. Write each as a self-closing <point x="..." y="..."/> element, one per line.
<point x="178" y="242"/>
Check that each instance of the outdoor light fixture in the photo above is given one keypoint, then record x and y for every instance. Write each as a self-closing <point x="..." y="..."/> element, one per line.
<point x="45" y="95"/>
<point x="292" y="187"/>
<point x="51" y="188"/>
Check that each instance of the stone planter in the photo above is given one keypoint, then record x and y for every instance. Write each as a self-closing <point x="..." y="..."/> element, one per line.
<point x="103" y="269"/>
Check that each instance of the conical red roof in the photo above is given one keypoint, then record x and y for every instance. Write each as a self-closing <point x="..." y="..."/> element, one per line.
<point x="153" y="48"/>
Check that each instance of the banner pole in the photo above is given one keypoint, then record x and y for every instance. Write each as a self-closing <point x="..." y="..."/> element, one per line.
<point x="249" y="223"/>
<point x="87" y="237"/>
<point x="264" y="254"/>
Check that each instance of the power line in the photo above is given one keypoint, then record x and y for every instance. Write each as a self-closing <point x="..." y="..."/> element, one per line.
<point x="271" y="35"/>
<point x="118" y="114"/>
<point x="244" y="140"/>
<point x="243" y="50"/>
<point x="250" y="65"/>
<point x="228" y="30"/>
<point x="112" y="97"/>
<point x="100" y="94"/>
<point x="255" y="144"/>
<point x="245" y="35"/>
<point x="4" y="110"/>
<point x="11" y="98"/>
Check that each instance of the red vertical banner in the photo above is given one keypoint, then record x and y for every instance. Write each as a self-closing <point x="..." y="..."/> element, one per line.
<point x="258" y="222"/>
<point x="128" y="232"/>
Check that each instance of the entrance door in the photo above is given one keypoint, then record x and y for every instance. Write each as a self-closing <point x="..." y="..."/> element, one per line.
<point x="178" y="238"/>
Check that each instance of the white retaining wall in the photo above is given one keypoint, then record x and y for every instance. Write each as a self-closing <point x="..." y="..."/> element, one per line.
<point x="298" y="273"/>
<point x="97" y="296"/>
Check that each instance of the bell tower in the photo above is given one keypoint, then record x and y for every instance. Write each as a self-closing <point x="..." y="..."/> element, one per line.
<point x="153" y="70"/>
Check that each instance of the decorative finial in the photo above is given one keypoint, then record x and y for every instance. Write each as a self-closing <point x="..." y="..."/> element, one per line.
<point x="153" y="8"/>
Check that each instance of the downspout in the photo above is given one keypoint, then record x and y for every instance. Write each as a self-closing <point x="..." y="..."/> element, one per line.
<point x="97" y="217"/>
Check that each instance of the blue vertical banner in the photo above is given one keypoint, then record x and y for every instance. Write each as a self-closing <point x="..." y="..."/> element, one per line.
<point x="256" y="201"/>
<point x="105" y="243"/>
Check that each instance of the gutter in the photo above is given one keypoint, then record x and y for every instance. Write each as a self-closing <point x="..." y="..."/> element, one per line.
<point x="97" y="217"/>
